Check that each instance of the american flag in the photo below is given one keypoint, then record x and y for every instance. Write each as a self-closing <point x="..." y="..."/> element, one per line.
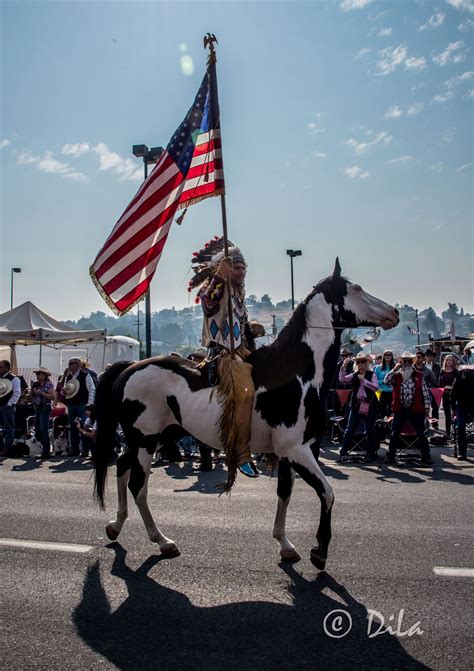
<point x="412" y="330"/>
<point x="189" y="170"/>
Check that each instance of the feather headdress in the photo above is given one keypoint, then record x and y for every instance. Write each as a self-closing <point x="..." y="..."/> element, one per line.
<point x="205" y="262"/>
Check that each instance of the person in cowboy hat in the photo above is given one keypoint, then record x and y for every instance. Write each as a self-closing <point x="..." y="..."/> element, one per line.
<point x="79" y="391"/>
<point x="214" y="272"/>
<point x="10" y="392"/>
<point x="411" y="403"/>
<point x="363" y="405"/>
<point x="42" y="394"/>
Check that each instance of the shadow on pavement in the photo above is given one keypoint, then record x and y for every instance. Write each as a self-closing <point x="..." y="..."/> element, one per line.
<point x="389" y="473"/>
<point x="158" y="627"/>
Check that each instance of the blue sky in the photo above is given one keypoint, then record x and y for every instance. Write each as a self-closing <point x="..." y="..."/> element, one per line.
<point x="347" y="130"/>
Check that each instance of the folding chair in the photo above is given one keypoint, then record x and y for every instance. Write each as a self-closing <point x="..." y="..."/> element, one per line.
<point x="409" y="448"/>
<point x="357" y="450"/>
<point x="338" y="420"/>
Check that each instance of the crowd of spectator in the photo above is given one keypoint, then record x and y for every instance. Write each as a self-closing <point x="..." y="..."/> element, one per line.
<point x="396" y="389"/>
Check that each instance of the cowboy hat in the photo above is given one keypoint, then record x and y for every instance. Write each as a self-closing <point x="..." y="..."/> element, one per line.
<point x="42" y="369"/>
<point x="71" y="388"/>
<point x="5" y="386"/>
<point x="361" y="357"/>
<point x="408" y="355"/>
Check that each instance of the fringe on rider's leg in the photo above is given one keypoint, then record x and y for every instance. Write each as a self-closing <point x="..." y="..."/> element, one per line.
<point x="235" y="392"/>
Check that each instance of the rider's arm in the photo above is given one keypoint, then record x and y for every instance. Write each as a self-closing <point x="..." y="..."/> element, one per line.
<point x="212" y="296"/>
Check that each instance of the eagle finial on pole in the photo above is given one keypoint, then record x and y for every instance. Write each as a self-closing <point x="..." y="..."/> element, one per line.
<point x="209" y="40"/>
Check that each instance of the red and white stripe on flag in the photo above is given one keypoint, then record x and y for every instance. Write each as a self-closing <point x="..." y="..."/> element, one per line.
<point x="124" y="267"/>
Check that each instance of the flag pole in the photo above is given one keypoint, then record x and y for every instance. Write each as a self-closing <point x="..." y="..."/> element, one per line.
<point x="209" y="40"/>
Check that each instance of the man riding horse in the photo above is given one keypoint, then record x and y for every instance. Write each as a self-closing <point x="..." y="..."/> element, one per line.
<point x="215" y="274"/>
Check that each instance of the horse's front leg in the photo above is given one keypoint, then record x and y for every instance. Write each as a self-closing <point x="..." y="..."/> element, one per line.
<point x="138" y="485"/>
<point x="304" y="463"/>
<point x="286" y="478"/>
<point x="114" y="527"/>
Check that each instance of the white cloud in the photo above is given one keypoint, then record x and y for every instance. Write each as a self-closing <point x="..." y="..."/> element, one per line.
<point x="362" y="52"/>
<point x="77" y="177"/>
<point x="356" y="173"/>
<point x="469" y="94"/>
<point x="4" y="143"/>
<point x="415" y="63"/>
<point x="401" y="159"/>
<point x="449" y="55"/>
<point x="187" y="65"/>
<point x="318" y="154"/>
<point x="359" y="148"/>
<point x="390" y="58"/>
<point x="26" y="158"/>
<point x="50" y="165"/>
<point x="466" y="26"/>
<point x="443" y="97"/>
<point x="348" y="5"/>
<point x="315" y="126"/>
<point x="124" y="168"/>
<point x="451" y="85"/>
<point x="464" y="166"/>
<point x="415" y="109"/>
<point x="437" y="167"/>
<point x="448" y="135"/>
<point x="463" y="5"/>
<point x="393" y="112"/>
<point x="384" y="32"/>
<point x="75" y="149"/>
<point x="434" y="21"/>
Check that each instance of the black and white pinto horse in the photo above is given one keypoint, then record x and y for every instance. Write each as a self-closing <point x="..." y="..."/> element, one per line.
<point x="291" y="377"/>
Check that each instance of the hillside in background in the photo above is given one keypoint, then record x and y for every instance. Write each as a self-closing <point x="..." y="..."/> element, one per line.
<point x="180" y="330"/>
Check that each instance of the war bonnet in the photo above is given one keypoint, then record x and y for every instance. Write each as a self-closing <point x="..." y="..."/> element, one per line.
<point x="205" y="262"/>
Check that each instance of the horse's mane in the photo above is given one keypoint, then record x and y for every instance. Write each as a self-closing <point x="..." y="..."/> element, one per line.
<point x="278" y="363"/>
<point x="287" y="356"/>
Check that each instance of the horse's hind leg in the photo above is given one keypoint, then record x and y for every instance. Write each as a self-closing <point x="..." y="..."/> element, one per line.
<point x="114" y="527"/>
<point x="138" y="485"/>
<point x="306" y="466"/>
<point x="286" y="478"/>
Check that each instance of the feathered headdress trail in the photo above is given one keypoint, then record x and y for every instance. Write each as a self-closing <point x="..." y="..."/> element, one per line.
<point x="205" y="262"/>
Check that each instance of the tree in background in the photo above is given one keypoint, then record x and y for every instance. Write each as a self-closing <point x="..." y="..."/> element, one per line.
<point x="430" y="323"/>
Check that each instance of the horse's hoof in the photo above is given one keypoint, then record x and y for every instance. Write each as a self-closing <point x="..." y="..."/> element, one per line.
<point x="317" y="559"/>
<point x="112" y="533"/>
<point x="290" y="555"/>
<point x="170" y="550"/>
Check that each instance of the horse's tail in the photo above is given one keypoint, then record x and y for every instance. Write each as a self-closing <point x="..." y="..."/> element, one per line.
<point x="107" y="421"/>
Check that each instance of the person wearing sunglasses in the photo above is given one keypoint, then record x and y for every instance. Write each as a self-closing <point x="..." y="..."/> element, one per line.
<point x="411" y="403"/>
<point x="363" y="406"/>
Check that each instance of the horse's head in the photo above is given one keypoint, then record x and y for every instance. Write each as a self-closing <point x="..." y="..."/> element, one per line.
<point x="352" y="306"/>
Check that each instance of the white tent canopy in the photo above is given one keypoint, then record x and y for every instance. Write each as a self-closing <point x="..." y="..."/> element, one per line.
<point x="28" y="325"/>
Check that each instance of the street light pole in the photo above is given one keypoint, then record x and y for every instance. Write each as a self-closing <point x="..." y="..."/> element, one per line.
<point x="292" y="253"/>
<point x="14" y="270"/>
<point x="149" y="156"/>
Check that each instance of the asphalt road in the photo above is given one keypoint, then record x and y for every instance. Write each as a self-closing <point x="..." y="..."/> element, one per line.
<point x="227" y="602"/>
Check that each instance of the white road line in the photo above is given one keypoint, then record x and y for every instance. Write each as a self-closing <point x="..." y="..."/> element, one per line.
<point x="454" y="571"/>
<point x="45" y="545"/>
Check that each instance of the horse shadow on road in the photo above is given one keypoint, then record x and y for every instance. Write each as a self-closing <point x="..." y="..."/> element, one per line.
<point x="159" y="627"/>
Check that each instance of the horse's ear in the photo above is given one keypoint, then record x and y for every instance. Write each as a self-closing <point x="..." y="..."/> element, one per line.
<point x="337" y="269"/>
